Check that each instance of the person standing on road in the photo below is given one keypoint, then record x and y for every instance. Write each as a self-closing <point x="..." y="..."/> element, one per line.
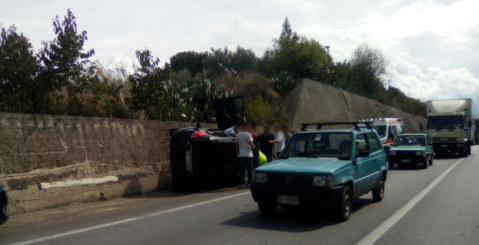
<point x="244" y="151"/>
<point x="255" y="150"/>
<point x="279" y="139"/>
<point x="264" y="143"/>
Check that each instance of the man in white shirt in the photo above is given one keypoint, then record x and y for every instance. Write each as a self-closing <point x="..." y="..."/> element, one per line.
<point x="244" y="151"/>
<point x="279" y="140"/>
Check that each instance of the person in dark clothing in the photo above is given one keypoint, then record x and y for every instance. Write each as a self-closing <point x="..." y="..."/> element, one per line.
<point x="264" y="143"/>
<point x="254" y="134"/>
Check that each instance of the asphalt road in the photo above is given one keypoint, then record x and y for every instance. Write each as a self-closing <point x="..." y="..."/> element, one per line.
<point x="439" y="205"/>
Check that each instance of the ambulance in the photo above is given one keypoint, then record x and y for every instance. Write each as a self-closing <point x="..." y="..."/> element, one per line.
<point x="387" y="126"/>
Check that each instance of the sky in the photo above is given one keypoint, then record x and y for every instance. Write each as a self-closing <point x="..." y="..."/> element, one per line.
<point x="431" y="46"/>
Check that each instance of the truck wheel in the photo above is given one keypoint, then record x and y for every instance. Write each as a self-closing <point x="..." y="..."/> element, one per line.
<point x="346" y="204"/>
<point x="378" y="191"/>
<point x="266" y="209"/>
<point x="468" y="150"/>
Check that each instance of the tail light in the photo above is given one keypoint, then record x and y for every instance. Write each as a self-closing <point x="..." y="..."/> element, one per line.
<point x="198" y="134"/>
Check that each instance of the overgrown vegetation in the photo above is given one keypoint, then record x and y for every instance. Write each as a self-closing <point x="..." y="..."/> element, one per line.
<point x="62" y="79"/>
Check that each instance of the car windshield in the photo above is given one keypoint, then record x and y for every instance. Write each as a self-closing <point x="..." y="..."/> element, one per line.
<point x="410" y="140"/>
<point x="381" y="129"/>
<point x="445" y="122"/>
<point x="337" y="145"/>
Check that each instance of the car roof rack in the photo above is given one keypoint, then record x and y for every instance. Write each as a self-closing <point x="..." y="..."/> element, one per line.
<point x="319" y="125"/>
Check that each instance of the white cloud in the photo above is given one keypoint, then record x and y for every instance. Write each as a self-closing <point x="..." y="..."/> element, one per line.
<point x="434" y="82"/>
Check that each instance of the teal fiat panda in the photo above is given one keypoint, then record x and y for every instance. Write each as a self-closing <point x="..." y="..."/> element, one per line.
<point x="323" y="169"/>
<point x="411" y="149"/>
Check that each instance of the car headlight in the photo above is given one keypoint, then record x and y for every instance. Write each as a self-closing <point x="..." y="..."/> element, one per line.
<point x="392" y="153"/>
<point x="419" y="153"/>
<point x="323" y="180"/>
<point x="260" y="178"/>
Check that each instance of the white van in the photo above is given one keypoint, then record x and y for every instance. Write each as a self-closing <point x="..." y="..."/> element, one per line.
<point x="387" y="126"/>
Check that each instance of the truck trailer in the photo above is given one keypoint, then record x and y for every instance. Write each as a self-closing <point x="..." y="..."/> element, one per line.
<point x="451" y="126"/>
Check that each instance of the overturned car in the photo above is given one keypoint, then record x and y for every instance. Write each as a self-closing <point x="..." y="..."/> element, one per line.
<point x="206" y="158"/>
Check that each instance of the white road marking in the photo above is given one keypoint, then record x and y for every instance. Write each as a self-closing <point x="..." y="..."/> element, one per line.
<point x="377" y="233"/>
<point x="69" y="233"/>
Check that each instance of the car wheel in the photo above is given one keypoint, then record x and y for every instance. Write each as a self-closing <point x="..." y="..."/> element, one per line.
<point x="469" y="150"/>
<point x="346" y="204"/>
<point x="391" y="165"/>
<point x="266" y="209"/>
<point x="431" y="161"/>
<point x="3" y="212"/>
<point x="424" y="164"/>
<point x="378" y="191"/>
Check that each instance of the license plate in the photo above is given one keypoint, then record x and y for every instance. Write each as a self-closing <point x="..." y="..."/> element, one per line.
<point x="289" y="200"/>
<point x="444" y="146"/>
<point x="406" y="160"/>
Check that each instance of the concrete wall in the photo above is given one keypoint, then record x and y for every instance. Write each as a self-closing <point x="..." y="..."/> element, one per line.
<point x="47" y="161"/>
<point x="313" y="101"/>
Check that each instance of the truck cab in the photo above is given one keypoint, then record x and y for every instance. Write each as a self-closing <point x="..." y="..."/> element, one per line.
<point x="450" y="125"/>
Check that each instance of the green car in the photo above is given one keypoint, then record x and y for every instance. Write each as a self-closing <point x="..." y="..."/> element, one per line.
<point x="411" y="149"/>
<point x="323" y="169"/>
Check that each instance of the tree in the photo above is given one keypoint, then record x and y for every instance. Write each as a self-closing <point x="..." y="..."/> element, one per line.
<point x="369" y="64"/>
<point x="146" y="84"/>
<point x="299" y="56"/>
<point x="189" y="60"/>
<point x="222" y="61"/>
<point x="64" y="59"/>
<point x="286" y="31"/>
<point x="371" y="58"/>
<point x="18" y="68"/>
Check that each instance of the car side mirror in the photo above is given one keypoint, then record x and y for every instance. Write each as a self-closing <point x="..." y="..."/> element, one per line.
<point x="363" y="154"/>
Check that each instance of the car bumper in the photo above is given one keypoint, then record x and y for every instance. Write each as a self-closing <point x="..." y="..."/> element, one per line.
<point x="308" y="197"/>
<point x="448" y="148"/>
<point x="404" y="160"/>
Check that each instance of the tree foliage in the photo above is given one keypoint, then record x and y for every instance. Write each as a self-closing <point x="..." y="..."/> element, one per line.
<point x="61" y="79"/>
<point x="18" y="68"/>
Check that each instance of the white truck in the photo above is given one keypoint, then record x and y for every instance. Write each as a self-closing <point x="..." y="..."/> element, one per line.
<point x="451" y="126"/>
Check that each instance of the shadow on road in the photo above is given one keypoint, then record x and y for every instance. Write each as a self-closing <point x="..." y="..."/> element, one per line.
<point x="293" y="220"/>
<point x="447" y="157"/>
<point x="4" y="220"/>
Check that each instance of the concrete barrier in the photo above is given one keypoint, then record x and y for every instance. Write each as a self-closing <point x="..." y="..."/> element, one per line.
<point x="312" y="101"/>
<point x="47" y="161"/>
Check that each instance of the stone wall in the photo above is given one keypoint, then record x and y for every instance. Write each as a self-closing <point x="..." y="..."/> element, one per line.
<point x="47" y="161"/>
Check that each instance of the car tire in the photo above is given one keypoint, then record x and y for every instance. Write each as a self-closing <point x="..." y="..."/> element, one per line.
<point x="431" y="161"/>
<point x="3" y="211"/>
<point x="424" y="164"/>
<point x="345" y="205"/>
<point x="266" y="208"/>
<point x="391" y="165"/>
<point x="378" y="191"/>
<point x="469" y="150"/>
